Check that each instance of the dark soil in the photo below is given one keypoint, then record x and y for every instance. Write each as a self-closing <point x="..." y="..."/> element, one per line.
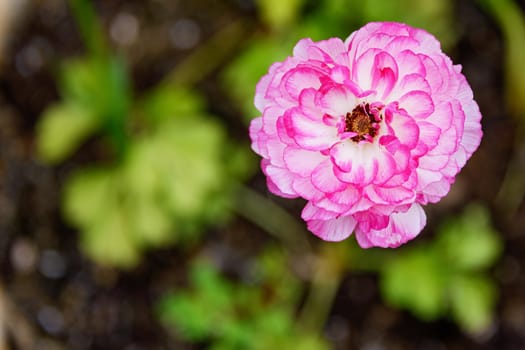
<point x="60" y="300"/>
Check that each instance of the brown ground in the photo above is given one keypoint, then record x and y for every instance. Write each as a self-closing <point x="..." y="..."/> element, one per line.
<point x="56" y="299"/>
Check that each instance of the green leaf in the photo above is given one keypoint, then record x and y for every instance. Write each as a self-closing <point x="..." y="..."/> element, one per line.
<point x="91" y="201"/>
<point x="231" y="315"/>
<point x="168" y="101"/>
<point x="101" y="86"/>
<point x="416" y="281"/>
<point x="107" y="240"/>
<point x="203" y="311"/>
<point x="279" y="14"/>
<point x="242" y="75"/>
<point x="472" y="300"/>
<point x="62" y="129"/>
<point x="187" y="314"/>
<point x="193" y="167"/>
<point x="150" y="224"/>
<point x="469" y="242"/>
<point x="82" y="81"/>
<point x="89" y="195"/>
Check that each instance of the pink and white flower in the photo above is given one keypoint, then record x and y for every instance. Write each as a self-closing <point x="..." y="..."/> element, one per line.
<point x="366" y="130"/>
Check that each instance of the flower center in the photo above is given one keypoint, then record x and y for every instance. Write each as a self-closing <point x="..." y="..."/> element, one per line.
<point x="361" y="122"/>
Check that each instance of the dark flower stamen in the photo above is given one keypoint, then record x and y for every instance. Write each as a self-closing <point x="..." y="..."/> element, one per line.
<point x="362" y="122"/>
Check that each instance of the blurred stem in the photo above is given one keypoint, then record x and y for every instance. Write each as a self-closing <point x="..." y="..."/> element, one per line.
<point x="512" y="189"/>
<point x="89" y="26"/>
<point x="209" y="56"/>
<point x="512" y="23"/>
<point x="327" y="276"/>
<point x="272" y="218"/>
<point x="120" y="93"/>
<point x="510" y="18"/>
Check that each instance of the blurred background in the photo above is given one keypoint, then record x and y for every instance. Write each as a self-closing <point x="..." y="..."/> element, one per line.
<point x="133" y="214"/>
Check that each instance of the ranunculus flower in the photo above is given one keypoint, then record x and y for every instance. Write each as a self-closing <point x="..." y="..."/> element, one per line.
<point x="367" y="131"/>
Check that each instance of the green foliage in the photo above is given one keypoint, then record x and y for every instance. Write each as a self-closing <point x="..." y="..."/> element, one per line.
<point x="62" y="128"/>
<point x="230" y="315"/>
<point x="96" y="96"/>
<point x="472" y="298"/>
<point x="171" y="169"/>
<point x="448" y="275"/>
<point x="416" y="281"/>
<point x="176" y="176"/>
<point x="248" y="67"/>
<point x="279" y="14"/>
<point x="469" y="242"/>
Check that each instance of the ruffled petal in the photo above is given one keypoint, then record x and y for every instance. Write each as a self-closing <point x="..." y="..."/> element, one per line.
<point x="402" y="227"/>
<point x="309" y="134"/>
<point x="300" y="161"/>
<point x="418" y="104"/>
<point x="324" y="179"/>
<point x="333" y="230"/>
<point x="384" y="74"/>
<point x="281" y="181"/>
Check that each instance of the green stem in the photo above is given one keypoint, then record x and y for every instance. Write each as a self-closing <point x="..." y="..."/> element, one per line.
<point x="327" y="276"/>
<point x="272" y="218"/>
<point x="209" y="56"/>
<point x="511" y="20"/>
<point x="89" y="26"/>
<point x="512" y="188"/>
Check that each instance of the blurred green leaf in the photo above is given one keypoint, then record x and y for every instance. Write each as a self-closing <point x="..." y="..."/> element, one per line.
<point x="107" y="240"/>
<point x="249" y="66"/>
<point x="150" y="223"/>
<point x="194" y="165"/>
<point x="472" y="301"/>
<point x="62" y="128"/>
<point x="89" y="195"/>
<point x="232" y="315"/>
<point x="100" y="86"/>
<point x="169" y="101"/>
<point x="469" y="242"/>
<point x="177" y="176"/>
<point x="206" y="310"/>
<point x="91" y="201"/>
<point x="415" y="280"/>
<point x="448" y="274"/>
<point x="279" y="14"/>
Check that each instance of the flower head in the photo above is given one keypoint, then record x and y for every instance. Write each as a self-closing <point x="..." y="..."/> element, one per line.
<point x="366" y="130"/>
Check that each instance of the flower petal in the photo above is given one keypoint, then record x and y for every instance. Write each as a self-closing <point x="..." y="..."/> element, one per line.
<point x="418" y="104"/>
<point x="300" y="78"/>
<point x="384" y="74"/>
<point x="300" y="161"/>
<point x="333" y="230"/>
<point x="401" y="228"/>
<point x="324" y="179"/>
<point x="281" y="179"/>
<point x="307" y="133"/>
